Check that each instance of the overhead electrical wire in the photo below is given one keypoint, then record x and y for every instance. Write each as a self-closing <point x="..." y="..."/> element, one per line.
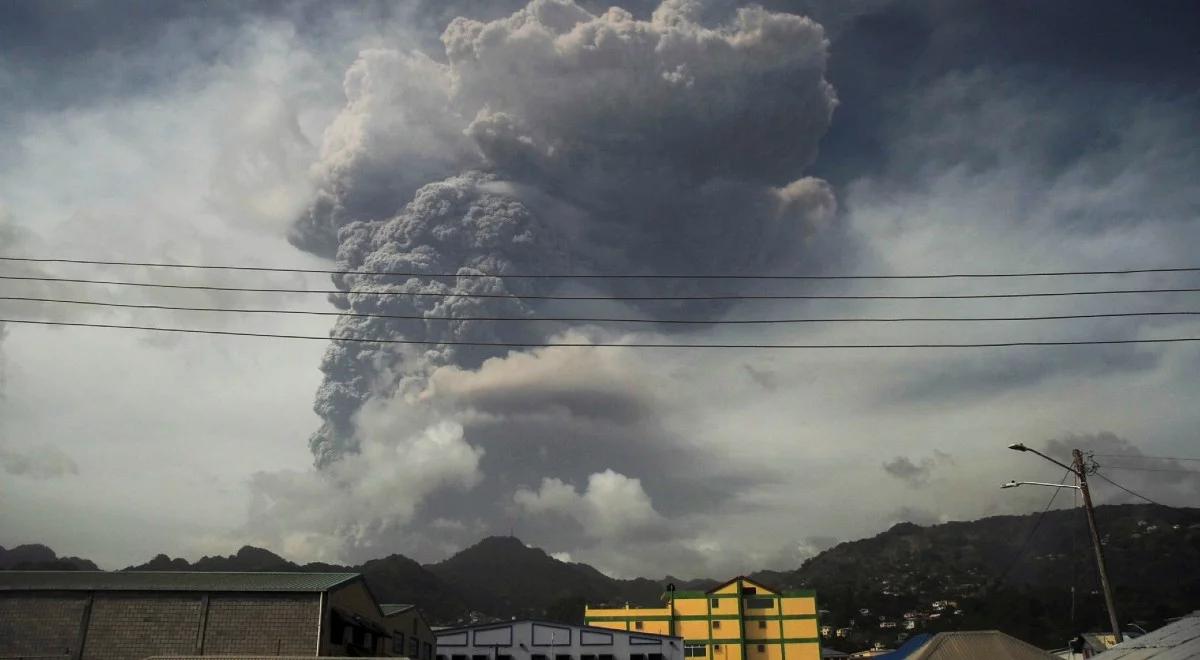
<point x="1037" y="523"/>
<point x="1101" y="475"/>
<point x="1146" y="469"/>
<point x="578" y="319"/>
<point x="1130" y="271"/>
<point x="1155" y="458"/>
<point x="503" y="344"/>
<point x="431" y="294"/>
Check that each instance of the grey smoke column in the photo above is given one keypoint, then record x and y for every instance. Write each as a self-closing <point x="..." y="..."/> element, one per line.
<point x="557" y="140"/>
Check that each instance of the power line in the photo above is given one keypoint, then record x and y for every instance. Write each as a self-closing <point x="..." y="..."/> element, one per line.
<point x="1029" y="537"/>
<point x="1144" y="469"/>
<point x="418" y="317"/>
<point x="430" y="294"/>
<point x="1101" y="475"/>
<point x="1186" y="269"/>
<point x="1156" y="458"/>
<point x="504" y="344"/>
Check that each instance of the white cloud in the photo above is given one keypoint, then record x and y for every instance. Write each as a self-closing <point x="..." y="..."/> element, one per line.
<point x="611" y="505"/>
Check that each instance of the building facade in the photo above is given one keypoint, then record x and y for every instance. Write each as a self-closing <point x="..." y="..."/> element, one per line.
<point x="543" y="640"/>
<point x="96" y="615"/>
<point x="738" y="620"/>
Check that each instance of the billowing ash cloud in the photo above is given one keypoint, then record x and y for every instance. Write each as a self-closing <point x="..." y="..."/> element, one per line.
<point x="558" y="140"/>
<point x="553" y="140"/>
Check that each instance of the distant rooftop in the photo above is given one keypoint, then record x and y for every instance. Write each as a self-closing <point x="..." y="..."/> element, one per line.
<point x="170" y="581"/>
<point x="1173" y="641"/>
<point x="971" y="644"/>
<point x="389" y="609"/>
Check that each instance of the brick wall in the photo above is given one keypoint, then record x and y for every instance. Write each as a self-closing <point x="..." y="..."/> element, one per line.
<point x="39" y="624"/>
<point x="264" y="624"/>
<point x="127" y="626"/>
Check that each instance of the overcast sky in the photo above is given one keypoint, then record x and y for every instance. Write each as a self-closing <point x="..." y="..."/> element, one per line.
<point x="817" y="137"/>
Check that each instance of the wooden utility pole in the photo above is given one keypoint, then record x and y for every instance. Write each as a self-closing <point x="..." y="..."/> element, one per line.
<point x="1081" y="472"/>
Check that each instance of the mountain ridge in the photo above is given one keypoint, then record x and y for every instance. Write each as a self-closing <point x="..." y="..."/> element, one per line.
<point x="997" y="572"/>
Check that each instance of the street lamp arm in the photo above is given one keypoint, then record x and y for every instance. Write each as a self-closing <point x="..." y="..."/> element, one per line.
<point x="1020" y="447"/>
<point x="1014" y="484"/>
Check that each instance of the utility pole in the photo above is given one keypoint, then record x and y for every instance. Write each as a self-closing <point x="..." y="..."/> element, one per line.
<point x="1078" y="467"/>
<point x="1081" y="472"/>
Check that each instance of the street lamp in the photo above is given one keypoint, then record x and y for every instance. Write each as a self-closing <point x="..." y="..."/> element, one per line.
<point x="1014" y="484"/>
<point x="1077" y="468"/>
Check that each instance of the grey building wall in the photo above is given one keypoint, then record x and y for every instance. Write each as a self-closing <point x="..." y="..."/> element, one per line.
<point x="41" y="624"/>
<point x="539" y="640"/>
<point x="125" y="625"/>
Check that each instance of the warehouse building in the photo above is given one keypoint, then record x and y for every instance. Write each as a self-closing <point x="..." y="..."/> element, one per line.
<point x="543" y="640"/>
<point x="738" y="620"/>
<point x="96" y="615"/>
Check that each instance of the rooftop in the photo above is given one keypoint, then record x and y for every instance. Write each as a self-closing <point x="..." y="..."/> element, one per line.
<point x="170" y="581"/>
<point x="978" y="644"/>
<point x="389" y="609"/>
<point x="1173" y="641"/>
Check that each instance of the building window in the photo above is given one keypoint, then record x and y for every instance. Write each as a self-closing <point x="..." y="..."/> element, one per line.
<point x="368" y="640"/>
<point x="749" y="591"/>
<point x="606" y="656"/>
<point x="716" y="647"/>
<point x="762" y="648"/>
<point x="538" y="656"/>
<point x="762" y="625"/>
<point x="716" y="624"/>
<point x="458" y="657"/>
<point x="442" y="657"/>
<point x="759" y="603"/>
<point x="414" y="647"/>
<point x="427" y="651"/>
<point x="397" y="642"/>
<point x="587" y="656"/>
<point x="479" y="657"/>
<point x="716" y="603"/>
<point x="562" y="656"/>
<point x="502" y="656"/>
<point x="656" y="656"/>
<point x="638" y="625"/>
<point x="694" y="651"/>
<point x="347" y="635"/>
<point x="637" y="656"/>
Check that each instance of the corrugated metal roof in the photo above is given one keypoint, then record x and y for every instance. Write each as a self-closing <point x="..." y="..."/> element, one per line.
<point x="978" y="644"/>
<point x="169" y="581"/>
<point x="389" y="609"/>
<point x="1174" y="641"/>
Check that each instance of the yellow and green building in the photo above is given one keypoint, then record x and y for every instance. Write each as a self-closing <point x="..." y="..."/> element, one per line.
<point x="738" y="620"/>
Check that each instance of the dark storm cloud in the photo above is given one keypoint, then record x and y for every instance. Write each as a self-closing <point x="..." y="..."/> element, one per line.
<point x="1124" y="462"/>
<point x="916" y="473"/>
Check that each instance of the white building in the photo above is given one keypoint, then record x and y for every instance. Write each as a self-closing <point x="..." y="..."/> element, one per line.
<point x="543" y="640"/>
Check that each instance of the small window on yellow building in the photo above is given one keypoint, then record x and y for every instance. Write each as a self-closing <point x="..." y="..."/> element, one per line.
<point x="762" y="648"/>
<point x="716" y="603"/>
<point x="762" y="624"/>
<point x="716" y="624"/>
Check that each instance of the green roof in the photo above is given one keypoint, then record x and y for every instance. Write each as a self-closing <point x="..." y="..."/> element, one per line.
<point x="170" y="581"/>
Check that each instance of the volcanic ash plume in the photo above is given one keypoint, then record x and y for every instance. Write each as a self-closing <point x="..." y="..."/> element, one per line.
<point x="551" y="141"/>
